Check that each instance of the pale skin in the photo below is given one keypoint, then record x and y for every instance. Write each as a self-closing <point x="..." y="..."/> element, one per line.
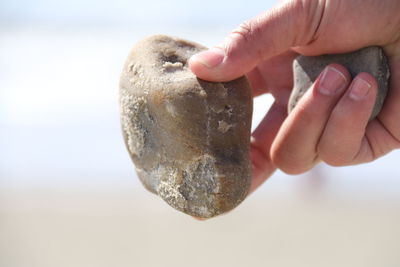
<point x="331" y="122"/>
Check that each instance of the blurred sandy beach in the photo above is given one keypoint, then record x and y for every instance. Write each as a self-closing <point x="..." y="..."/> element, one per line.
<point x="134" y="228"/>
<point x="69" y="196"/>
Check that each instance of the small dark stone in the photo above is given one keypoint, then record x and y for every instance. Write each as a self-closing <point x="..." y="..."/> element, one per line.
<point x="371" y="59"/>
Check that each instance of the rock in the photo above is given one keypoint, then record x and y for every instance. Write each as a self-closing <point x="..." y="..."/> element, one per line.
<point x="188" y="138"/>
<point x="371" y="59"/>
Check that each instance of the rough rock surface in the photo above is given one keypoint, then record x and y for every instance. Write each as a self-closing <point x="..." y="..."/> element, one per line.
<point x="188" y="138"/>
<point x="371" y="59"/>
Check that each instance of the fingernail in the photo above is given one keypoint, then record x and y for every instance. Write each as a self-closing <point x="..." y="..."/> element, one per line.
<point x="332" y="80"/>
<point x="210" y="58"/>
<point x="359" y="88"/>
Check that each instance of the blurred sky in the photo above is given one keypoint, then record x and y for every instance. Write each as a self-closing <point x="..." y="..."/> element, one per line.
<point x="59" y="69"/>
<point x="125" y="13"/>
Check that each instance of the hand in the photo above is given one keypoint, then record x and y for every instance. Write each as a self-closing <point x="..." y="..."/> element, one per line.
<point x="330" y="123"/>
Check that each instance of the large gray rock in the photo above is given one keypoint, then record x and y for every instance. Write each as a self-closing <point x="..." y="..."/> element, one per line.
<point x="371" y="59"/>
<point x="189" y="139"/>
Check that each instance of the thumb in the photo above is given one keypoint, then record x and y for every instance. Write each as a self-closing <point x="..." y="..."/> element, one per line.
<point x="293" y="23"/>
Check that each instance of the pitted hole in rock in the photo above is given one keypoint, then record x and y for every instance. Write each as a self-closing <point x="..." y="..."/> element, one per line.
<point x="229" y="110"/>
<point x="173" y="63"/>
<point x="172" y="58"/>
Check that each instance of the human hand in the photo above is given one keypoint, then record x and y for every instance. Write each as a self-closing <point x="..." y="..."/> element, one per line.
<point x="330" y="123"/>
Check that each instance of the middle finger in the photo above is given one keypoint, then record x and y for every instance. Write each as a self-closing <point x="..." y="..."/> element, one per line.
<point x="295" y="148"/>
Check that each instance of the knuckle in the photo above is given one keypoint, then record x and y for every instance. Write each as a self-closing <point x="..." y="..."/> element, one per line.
<point x="333" y="162"/>
<point x="294" y="169"/>
<point x="333" y="158"/>
<point x="312" y="20"/>
<point x="289" y="164"/>
<point x="246" y="34"/>
<point x="243" y="32"/>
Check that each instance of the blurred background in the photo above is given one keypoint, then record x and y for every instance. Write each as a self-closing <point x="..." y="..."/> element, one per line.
<point x="69" y="195"/>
